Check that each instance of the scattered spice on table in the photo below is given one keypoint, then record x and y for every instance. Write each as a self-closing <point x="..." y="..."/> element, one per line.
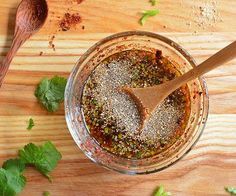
<point x="51" y="44"/>
<point x="69" y="20"/>
<point x="206" y="14"/>
<point x="79" y="1"/>
<point x="203" y="13"/>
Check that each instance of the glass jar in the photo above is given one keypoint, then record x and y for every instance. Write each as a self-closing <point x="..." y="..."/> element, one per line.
<point x="95" y="55"/>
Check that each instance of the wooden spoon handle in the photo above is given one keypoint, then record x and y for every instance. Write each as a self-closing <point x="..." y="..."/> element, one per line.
<point x="221" y="57"/>
<point x="19" y="38"/>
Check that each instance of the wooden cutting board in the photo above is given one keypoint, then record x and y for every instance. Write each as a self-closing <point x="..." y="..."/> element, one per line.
<point x="209" y="167"/>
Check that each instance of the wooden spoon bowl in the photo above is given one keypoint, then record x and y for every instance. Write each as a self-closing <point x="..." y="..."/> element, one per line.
<point x="147" y="99"/>
<point x="30" y="17"/>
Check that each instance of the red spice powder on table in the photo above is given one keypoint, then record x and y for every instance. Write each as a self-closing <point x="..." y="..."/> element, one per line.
<point x="51" y="44"/>
<point x="69" y="20"/>
<point x="79" y="1"/>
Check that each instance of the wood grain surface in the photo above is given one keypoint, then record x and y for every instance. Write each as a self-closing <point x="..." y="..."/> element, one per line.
<point x="209" y="167"/>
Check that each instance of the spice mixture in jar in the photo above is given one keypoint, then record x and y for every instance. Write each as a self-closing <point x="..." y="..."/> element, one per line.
<point x="112" y="117"/>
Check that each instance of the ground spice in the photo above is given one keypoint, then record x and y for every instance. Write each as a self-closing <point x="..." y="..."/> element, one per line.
<point x="204" y="13"/>
<point x="65" y="22"/>
<point x="69" y="20"/>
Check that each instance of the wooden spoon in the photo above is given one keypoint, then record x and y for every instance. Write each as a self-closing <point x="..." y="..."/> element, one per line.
<point x="148" y="98"/>
<point x="30" y="17"/>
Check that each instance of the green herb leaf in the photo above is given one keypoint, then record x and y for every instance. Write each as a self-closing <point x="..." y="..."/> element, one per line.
<point x="44" y="158"/>
<point x="50" y="92"/>
<point x="146" y="14"/>
<point x="10" y="183"/>
<point x="30" y="124"/>
<point x="161" y="192"/>
<point x="14" y="165"/>
<point x="11" y="179"/>
<point x="231" y="190"/>
<point x="46" y="193"/>
<point x="153" y="2"/>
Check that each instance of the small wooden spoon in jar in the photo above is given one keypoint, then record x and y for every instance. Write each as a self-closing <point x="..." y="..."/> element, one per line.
<point x="148" y="98"/>
<point x="30" y="17"/>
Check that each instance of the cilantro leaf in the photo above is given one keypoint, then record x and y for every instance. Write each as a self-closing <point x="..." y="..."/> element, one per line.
<point x="30" y="124"/>
<point x="161" y="192"/>
<point x="50" y="92"/>
<point x="11" y="179"/>
<point x="231" y="190"/>
<point x="146" y="14"/>
<point x="44" y="158"/>
<point x="153" y="2"/>
<point x="14" y="165"/>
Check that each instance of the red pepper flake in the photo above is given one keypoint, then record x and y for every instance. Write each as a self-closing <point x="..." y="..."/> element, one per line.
<point x="79" y="1"/>
<point x="69" y="20"/>
<point x="41" y="53"/>
<point x="51" y="45"/>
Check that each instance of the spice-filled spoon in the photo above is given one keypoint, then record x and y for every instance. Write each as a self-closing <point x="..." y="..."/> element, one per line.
<point x="148" y="98"/>
<point x="30" y="17"/>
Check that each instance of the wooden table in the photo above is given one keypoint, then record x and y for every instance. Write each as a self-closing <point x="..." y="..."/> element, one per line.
<point x="209" y="167"/>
